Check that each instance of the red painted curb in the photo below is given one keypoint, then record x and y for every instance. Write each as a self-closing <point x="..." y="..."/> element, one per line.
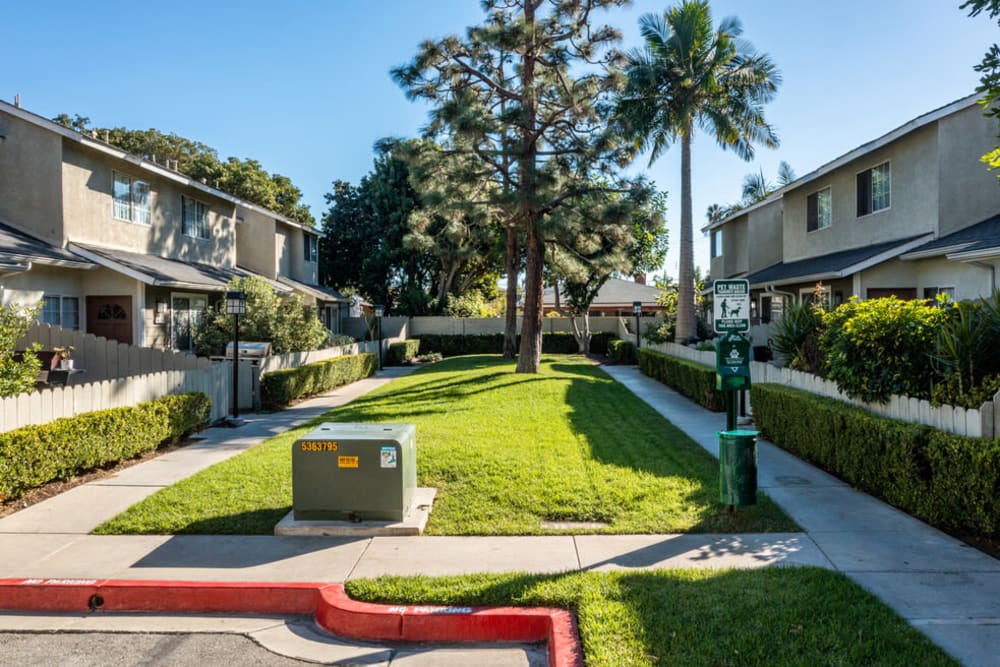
<point x="329" y="604"/>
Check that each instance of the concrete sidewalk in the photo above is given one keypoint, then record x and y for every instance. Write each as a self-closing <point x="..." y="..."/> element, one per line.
<point x="948" y="590"/>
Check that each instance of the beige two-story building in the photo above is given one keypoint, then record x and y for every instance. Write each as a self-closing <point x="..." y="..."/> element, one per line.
<point x="123" y="247"/>
<point x="911" y="214"/>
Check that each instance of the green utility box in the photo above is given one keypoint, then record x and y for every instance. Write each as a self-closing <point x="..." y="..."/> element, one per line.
<point x="732" y="363"/>
<point x="354" y="472"/>
<point x="738" y="467"/>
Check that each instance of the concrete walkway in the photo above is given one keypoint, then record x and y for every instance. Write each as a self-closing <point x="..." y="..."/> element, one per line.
<point x="948" y="590"/>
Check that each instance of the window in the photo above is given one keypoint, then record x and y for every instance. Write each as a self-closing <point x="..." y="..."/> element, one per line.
<point x="131" y="199"/>
<point x="187" y="310"/>
<point x="194" y="218"/>
<point x="933" y="292"/>
<point x="60" y="311"/>
<point x="310" y="248"/>
<point x="717" y="243"/>
<point x="820" y="295"/>
<point x="873" y="189"/>
<point x="819" y="209"/>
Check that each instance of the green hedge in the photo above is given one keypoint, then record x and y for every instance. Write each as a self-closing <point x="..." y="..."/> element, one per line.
<point x="402" y="352"/>
<point x="948" y="480"/>
<point x="622" y="350"/>
<point x="279" y="388"/>
<point x="693" y="380"/>
<point x="34" y="455"/>
<point x="552" y="343"/>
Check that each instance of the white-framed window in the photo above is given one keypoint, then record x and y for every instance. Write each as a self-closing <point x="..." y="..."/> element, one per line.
<point x="310" y="248"/>
<point x="932" y="292"/>
<point x="60" y="311"/>
<point x="819" y="210"/>
<point x="716" y="238"/>
<point x="186" y="310"/>
<point x="818" y="295"/>
<point x="874" y="186"/>
<point x="130" y="198"/>
<point x="194" y="218"/>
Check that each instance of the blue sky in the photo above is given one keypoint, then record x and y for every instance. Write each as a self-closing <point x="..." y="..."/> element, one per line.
<point x="303" y="85"/>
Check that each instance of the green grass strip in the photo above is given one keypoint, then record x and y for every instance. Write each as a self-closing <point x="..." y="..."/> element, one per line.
<point x="506" y="451"/>
<point x="775" y="616"/>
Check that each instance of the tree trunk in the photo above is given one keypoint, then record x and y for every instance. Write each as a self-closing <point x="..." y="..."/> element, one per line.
<point x="531" y="325"/>
<point x="686" y="325"/>
<point x="512" y="264"/>
<point x="582" y="337"/>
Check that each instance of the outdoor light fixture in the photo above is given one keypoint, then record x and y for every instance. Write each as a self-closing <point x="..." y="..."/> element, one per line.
<point x="378" y="315"/>
<point x="236" y="305"/>
<point x="160" y="311"/>
<point x="637" y="309"/>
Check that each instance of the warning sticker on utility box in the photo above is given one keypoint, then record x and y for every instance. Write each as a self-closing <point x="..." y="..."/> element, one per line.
<point x="388" y="457"/>
<point x="347" y="461"/>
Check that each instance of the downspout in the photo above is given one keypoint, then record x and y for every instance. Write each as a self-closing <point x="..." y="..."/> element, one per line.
<point x="10" y="269"/>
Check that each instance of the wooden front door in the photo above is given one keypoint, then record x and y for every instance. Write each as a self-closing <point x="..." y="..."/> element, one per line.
<point x="111" y="317"/>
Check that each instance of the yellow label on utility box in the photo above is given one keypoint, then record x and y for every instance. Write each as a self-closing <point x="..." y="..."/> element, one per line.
<point x="347" y="461"/>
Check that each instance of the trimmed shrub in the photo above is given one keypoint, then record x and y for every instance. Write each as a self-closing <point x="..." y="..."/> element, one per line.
<point x="33" y="455"/>
<point x="948" y="480"/>
<point x="400" y="353"/>
<point x="552" y="343"/>
<point x="622" y="351"/>
<point x="693" y="380"/>
<point x="279" y="388"/>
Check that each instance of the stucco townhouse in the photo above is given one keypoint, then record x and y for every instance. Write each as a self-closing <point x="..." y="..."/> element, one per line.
<point x="129" y="249"/>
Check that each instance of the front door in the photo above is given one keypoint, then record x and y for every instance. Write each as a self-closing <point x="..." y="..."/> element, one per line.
<point x="111" y="317"/>
<point x="185" y="311"/>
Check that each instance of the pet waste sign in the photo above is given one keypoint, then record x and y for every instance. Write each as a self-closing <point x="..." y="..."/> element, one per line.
<point x="731" y="306"/>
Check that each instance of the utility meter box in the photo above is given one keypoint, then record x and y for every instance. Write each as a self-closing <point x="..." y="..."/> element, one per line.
<point x="354" y="472"/>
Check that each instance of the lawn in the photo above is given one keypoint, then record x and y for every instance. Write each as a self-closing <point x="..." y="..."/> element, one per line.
<point x="506" y="452"/>
<point x="776" y="616"/>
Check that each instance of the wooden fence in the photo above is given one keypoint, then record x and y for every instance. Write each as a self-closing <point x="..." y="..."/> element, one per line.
<point x="983" y="422"/>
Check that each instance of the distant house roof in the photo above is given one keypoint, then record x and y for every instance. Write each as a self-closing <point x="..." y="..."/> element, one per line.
<point x="980" y="240"/>
<point x="163" y="272"/>
<point x="315" y="291"/>
<point x="873" y="145"/>
<point x="615" y="293"/>
<point x="18" y="250"/>
<point x="834" y="265"/>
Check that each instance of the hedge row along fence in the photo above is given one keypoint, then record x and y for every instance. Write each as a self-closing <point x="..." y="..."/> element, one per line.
<point x="401" y="352"/>
<point x="279" y="388"/>
<point x="34" y="455"/>
<point x="695" y="381"/>
<point x="621" y="350"/>
<point x="552" y="343"/>
<point x="951" y="481"/>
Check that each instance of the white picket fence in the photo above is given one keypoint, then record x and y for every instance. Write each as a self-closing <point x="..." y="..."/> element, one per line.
<point x="978" y="423"/>
<point x="215" y="379"/>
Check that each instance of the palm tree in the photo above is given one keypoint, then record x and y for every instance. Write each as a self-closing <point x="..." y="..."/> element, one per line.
<point x="755" y="188"/>
<point x="714" y="213"/>
<point x="688" y="75"/>
<point x="785" y="174"/>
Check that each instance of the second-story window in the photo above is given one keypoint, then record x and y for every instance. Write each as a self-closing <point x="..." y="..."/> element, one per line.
<point x="873" y="189"/>
<point x="194" y="218"/>
<point x="819" y="210"/>
<point x="716" y="243"/>
<point x="131" y="199"/>
<point x="310" y="248"/>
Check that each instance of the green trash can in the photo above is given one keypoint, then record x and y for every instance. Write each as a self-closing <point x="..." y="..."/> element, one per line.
<point x="738" y="467"/>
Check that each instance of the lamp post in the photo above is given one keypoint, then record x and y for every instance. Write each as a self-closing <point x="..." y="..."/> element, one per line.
<point x="236" y="305"/>
<point x="637" y="309"/>
<point x="378" y="316"/>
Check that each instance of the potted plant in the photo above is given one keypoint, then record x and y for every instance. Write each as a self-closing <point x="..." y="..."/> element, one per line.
<point x="65" y="355"/>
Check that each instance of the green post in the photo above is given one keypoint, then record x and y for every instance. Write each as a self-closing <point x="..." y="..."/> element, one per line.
<point x="738" y="468"/>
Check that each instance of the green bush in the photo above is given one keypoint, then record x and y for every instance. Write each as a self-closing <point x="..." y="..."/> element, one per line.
<point x="279" y="388"/>
<point x="622" y="351"/>
<point x="948" y="480"/>
<point x="796" y="335"/>
<point x="33" y="455"/>
<point x="695" y="381"/>
<point x="400" y="353"/>
<point x="552" y="343"/>
<point x="881" y="347"/>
